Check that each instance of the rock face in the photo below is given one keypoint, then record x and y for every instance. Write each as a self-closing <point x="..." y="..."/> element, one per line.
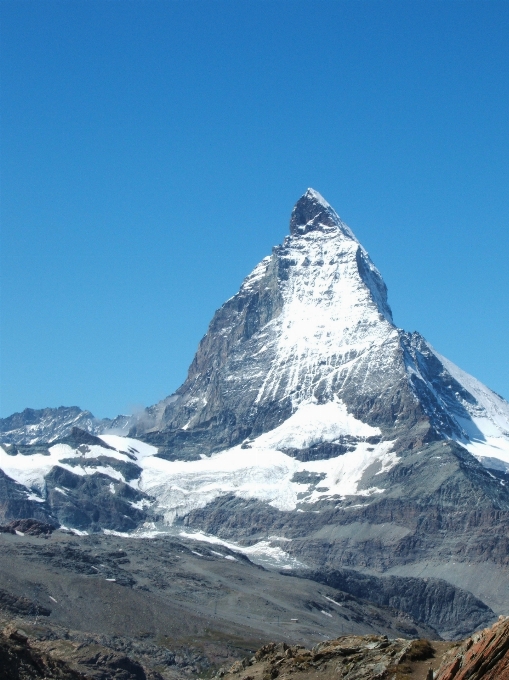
<point x="22" y="658"/>
<point x="33" y="426"/>
<point x="484" y="656"/>
<point x="310" y="323"/>
<point x="453" y="612"/>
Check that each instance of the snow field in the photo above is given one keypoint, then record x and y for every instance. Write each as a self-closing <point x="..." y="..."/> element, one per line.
<point x="262" y="472"/>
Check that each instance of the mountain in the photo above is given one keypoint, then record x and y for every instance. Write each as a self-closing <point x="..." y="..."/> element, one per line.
<point x="311" y="325"/>
<point x="34" y="426"/>
<point x="311" y="433"/>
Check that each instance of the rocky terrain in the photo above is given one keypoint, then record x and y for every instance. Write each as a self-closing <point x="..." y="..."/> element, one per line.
<point x="484" y="656"/>
<point x="351" y="657"/>
<point x="173" y="606"/>
<point x="29" y="651"/>
<point x="33" y="426"/>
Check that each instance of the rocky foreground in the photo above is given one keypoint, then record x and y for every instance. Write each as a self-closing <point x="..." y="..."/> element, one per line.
<point x="483" y="656"/>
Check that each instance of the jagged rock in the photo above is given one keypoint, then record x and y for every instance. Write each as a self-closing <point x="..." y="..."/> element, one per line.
<point x="30" y="526"/>
<point x="19" y="661"/>
<point x="33" y="426"/>
<point x="453" y="612"/>
<point x="484" y="656"/>
<point x="21" y="605"/>
<point x="23" y="658"/>
<point x="93" y="502"/>
<point x="351" y="657"/>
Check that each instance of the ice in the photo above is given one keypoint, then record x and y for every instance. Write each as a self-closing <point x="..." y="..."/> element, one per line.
<point x="264" y="472"/>
<point x="262" y="552"/>
<point x="261" y="471"/>
<point x="313" y="423"/>
<point x="487" y="428"/>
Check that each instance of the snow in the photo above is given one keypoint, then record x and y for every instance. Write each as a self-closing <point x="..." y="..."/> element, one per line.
<point x="333" y="601"/>
<point x="33" y="497"/>
<point x="334" y="329"/>
<point x="487" y="428"/>
<point x="318" y="197"/>
<point x="30" y="471"/>
<point x="313" y="423"/>
<point x="262" y="552"/>
<point x="262" y="472"/>
<point x="140" y="505"/>
<point x="330" y="318"/>
<point x="127" y="448"/>
<point x="258" y="273"/>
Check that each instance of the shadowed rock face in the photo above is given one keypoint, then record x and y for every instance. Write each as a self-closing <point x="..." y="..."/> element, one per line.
<point x="453" y="612"/>
<point x="22" y="658"/>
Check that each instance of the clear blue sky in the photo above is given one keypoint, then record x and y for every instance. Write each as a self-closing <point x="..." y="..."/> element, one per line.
<point x="152" y="151"/>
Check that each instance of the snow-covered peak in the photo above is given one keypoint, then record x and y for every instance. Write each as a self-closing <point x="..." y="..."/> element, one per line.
<point x="313" y="213"/>
<point x="315" y="195"/>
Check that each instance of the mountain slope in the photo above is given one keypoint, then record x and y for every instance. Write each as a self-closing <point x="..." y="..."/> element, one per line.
<point x="34" y="426"/>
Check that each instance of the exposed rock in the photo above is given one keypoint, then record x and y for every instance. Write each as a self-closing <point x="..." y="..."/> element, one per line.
<point x="24" y="658"/>
<point x="78" y="437"/>
<point x="33" y="426"/>
<point x="93" y="502"/>
<point x="352" y="657"/>
<point x="484" y="656"/>
<point x="30" y="527"/>
<point x="453" y="612"/>
<point x="21" y="605"/>
<point x="16" y="503"/>
<point x="345" y="441"/>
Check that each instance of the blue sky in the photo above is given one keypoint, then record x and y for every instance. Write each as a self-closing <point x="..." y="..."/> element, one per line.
<point x="151" y="153"/>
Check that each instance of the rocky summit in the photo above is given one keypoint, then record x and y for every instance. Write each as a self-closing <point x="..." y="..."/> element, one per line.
<point x="311" y="435"/>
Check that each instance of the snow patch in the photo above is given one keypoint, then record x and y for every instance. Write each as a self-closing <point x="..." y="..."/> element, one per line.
<point x="264" y="472"/>
<point x="260" y="553"/>
<point x="487" y="428"/>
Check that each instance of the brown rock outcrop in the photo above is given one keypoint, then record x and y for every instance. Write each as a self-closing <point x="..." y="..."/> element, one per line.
<point x="351" y="657"/>
<point x="484" y="656"/>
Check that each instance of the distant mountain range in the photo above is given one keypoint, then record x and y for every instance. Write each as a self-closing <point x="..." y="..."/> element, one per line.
<point x="311" y="433"/>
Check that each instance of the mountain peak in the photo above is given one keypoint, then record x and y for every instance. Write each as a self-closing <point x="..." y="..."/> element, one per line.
<point x="313" y="213"/>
